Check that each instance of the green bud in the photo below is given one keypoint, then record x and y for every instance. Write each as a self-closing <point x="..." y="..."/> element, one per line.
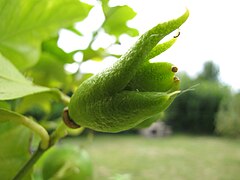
<point x="132" y="90"/>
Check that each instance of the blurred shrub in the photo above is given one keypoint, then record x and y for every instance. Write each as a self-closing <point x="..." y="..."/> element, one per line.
<point x="195" y="111"/>
<point x="228" y="117"/>
<point x="210" y="72"/>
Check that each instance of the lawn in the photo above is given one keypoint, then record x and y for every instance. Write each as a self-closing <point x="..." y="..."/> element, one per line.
<point x="175" y="157"/>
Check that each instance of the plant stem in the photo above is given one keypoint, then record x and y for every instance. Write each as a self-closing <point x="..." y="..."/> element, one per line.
<point x="46" y="140"/>
<point x="65" y="99"/>
<point x="28" y="166"/>
<point x="35" y="127"/>
<point x="29" y="123"/>
<point x="59" y="133"/>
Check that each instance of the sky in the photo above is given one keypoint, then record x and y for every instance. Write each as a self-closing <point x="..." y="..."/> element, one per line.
<point x="211" y="33"/>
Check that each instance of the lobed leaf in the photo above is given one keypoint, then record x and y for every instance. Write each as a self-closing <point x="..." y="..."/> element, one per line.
<point x="116" y="21"/>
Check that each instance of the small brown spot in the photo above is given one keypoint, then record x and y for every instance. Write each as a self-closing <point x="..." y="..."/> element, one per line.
<point x="174" y="69"/>
<point x="178" y="34"/>
<point x="68" y="121"/>
<point x="176" y="79"/>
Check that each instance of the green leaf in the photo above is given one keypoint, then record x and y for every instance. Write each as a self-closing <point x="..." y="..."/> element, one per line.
<point x="50" y="72"/>
<point x="15" y="85"/>
<point x="37" y="106"/>
<point x="50" y="46"/>
<point x="13" y="89"/>
<point x="14" y="147"/>
<point x="8" y="71"/>
<point x="74" y="30"/>
<point x="116" y="21"/>
<point x="105" y="6"/>
<point x="25" y="24"/>
<point x="96" y="55"/>
<point x="6" y="115"/>
<point x="4" y="104"/>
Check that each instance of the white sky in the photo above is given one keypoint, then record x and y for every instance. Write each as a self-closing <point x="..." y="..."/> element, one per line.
<point x="211" y="33"/>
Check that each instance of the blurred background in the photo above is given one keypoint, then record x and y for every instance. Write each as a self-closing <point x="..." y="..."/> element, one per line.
<point x="198" y="136"/>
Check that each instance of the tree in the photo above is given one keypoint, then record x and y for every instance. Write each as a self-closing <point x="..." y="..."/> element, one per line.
<point x="195" y="111"/>
<point x="210" y="72"/>
<point x="227" y="118"/>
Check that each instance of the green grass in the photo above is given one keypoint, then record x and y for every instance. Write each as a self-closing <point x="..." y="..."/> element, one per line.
<point x="175" y="157"/>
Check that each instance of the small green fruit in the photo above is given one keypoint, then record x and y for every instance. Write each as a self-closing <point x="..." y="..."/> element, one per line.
<point x="154" y="77"/>
<point x="67" y="163"/>
<point x="132" y="90"/>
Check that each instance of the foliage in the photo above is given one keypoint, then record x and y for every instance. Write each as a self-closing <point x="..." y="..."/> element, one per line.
<point x="195" y="111"/>
<point x="228" y="116"/>
<point x="14" y="85"/>
<point x="25" y="25"/>
<point x="115" y="23"/>
<point x="14" y="148"/>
